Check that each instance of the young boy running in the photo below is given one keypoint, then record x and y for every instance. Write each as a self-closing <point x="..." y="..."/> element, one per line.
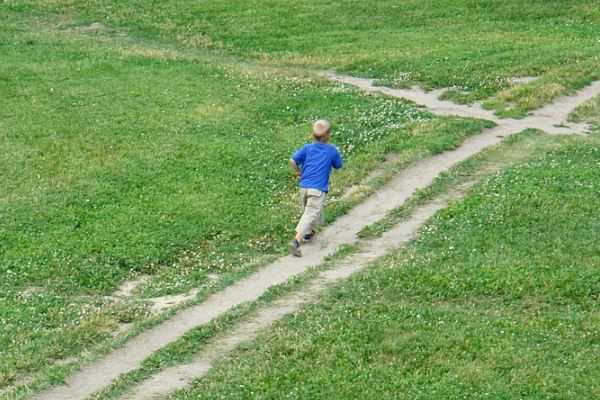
<point x="312" y="164"/>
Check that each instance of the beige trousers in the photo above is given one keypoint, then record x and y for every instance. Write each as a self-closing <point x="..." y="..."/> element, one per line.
<point x="313" y="203"/>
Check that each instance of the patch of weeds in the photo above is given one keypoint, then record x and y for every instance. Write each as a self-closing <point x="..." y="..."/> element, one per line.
<point x="517" y="101"/>
<point x="588" y="112"/>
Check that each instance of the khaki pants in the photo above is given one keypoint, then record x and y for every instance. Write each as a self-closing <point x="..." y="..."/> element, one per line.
<point x="312" y="202"/>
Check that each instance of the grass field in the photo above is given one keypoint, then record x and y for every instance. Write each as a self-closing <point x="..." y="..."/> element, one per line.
<point x="122" y="158"/>
<point x="473" y="48"/>
<point x="519" y="148"/>
<point x="497" y="298"/>
<point x="153" y="137"/>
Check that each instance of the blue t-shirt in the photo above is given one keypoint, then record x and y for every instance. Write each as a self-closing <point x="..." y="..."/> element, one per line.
<point x="315" y="161"/>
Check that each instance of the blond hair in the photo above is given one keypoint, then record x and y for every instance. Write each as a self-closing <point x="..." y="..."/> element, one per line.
<point x="321" y="130"/>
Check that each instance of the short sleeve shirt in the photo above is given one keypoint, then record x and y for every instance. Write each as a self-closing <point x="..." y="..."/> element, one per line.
<point x="316" y="161"/>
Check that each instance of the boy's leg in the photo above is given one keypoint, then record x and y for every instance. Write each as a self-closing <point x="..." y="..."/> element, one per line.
<point x="313" y="215"/>
<point x="303" y="198"/>
<point x="295" y="243"/>
<point x="320" y="220"/>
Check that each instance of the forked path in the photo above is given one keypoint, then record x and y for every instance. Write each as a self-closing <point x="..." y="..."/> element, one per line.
<point x="98" y="375"/>
<point x="552" y="118"/>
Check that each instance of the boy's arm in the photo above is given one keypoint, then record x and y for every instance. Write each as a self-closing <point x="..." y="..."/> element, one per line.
<point x="297" y="160"/>
<point x="295" y="167"/>
<point x="337" y="160"/>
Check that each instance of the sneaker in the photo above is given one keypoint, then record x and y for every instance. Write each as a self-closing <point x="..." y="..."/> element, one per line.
<point x="295" y="248"/>
<point x="308" y="237"/>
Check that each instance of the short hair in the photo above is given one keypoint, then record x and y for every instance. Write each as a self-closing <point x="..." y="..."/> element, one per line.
<point x="321" y="128"/>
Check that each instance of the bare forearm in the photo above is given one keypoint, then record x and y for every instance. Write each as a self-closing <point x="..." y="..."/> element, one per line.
<point x="295" y="167"/>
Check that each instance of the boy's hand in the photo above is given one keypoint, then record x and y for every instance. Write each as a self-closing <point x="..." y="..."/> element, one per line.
<point x="295" y="168"/>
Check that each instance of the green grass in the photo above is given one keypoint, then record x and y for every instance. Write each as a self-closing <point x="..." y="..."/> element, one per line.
<point x="473" y="48"/>
<point x="156" y="140"/>
<point x="497" y="298"/>
<point x="517" y="148"/>
<point x="188" y="346"/>
<point x="589" y="112"/>
<point x="122" y="156"/>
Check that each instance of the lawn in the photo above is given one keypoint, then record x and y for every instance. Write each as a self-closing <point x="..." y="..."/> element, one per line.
<point x="496" y="299"/>
<point x="152" y="138"/>
<point x="474" y="48"/>
<point x="123" y="156"/>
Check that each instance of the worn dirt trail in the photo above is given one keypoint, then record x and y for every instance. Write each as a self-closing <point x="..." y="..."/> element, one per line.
<point x="552" y="118"/>
<point x="95" y="376"/>
<point x="179" y="376"/>
<point x="98" y="375"/>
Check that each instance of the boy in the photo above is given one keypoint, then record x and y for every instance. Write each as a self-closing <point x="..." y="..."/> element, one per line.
<point x="312" y="164"/>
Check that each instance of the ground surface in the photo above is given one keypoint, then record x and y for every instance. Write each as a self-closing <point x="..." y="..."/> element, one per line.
<point x="138" y="143"/>
<point x="120" y="162"/>
<point x="496" y="299"/>
<point x="475" y="48"/>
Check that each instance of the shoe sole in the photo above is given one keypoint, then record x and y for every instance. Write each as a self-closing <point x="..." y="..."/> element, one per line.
<point x="295" y="251"/>
<point x="310" y="238"/>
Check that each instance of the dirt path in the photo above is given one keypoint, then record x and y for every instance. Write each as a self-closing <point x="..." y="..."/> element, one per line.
<point x="417" y="95"/>
<point x="178" y="377"/>
<point x="97" y="375"/>
<point x="551" y="118"/>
